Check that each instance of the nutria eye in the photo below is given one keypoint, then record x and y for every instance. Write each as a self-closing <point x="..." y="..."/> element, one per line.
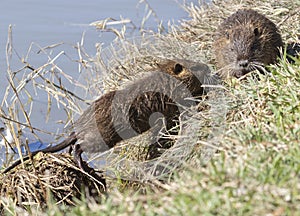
<point x="178" y="69"/>
<point x="227" y="35"/>
<point x="256" y="32"/>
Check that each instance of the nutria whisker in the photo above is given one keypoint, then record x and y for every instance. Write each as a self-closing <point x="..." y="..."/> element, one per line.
<point x="225" y="71"/>
<point x="127" y="112"/>
<point x="260" y="67"/>
<point x="246" y="38"/>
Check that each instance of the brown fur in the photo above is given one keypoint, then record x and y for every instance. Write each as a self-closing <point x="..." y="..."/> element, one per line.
<point x="125" y="113"/>
<point x="132" y="110"/>
<point x="245" y="41"/>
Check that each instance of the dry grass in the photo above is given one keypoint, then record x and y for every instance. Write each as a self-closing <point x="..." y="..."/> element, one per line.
<point x="254" y="169"/>
<point x="205" y="19"/>
<point x="47" y="177"/>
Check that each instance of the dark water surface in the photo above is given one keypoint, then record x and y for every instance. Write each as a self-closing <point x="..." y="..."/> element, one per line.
<point x="43" y="23"/>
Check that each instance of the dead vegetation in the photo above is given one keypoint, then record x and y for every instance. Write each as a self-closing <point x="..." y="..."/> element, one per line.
<point x="50" y="177"/>
<point x="213" y="129"/>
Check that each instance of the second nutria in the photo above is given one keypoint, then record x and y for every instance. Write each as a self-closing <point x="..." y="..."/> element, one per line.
<point x="135" y="108"/>
<point x="245" y="41"/>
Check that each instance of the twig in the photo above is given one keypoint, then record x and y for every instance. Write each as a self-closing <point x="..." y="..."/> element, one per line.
<point x="55" y="85"/>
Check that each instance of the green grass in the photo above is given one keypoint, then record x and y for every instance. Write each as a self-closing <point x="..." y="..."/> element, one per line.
<point x="256" y="170"/>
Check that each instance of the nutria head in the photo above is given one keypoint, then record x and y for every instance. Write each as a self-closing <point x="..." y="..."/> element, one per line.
<point x="131" y="110"/>
<point x="192" y="74"/>
<point x="246" y="41"/>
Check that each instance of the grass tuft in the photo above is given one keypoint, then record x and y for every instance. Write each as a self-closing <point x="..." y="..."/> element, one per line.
<point x="256" y="161"/>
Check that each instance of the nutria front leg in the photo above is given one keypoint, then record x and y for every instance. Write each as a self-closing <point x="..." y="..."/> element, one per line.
<point x="77" y="151"/>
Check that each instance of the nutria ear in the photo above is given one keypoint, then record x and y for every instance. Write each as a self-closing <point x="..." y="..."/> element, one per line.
<point x="256" y="32"/>
<point x="177" y="69"/>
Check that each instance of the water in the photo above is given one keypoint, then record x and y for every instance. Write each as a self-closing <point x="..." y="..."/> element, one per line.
<point x="49" y="22"/>
<point x="43" y="23"/>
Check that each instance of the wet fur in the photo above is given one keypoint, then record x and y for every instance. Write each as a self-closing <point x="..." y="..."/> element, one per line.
<point x="245" y="41"/>
<point x="124" y="113"/>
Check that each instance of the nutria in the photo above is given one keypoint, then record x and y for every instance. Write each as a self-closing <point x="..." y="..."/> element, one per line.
<point x="292" y="51"/>
<point x="136" y="107"/>
<point x="245" y="41"/>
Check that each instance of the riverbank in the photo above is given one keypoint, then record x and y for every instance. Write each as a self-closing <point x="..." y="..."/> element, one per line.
<point x="255" y="168"/>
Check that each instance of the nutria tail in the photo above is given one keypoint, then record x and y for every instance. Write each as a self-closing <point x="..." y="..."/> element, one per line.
<point x="71" y="140"/>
